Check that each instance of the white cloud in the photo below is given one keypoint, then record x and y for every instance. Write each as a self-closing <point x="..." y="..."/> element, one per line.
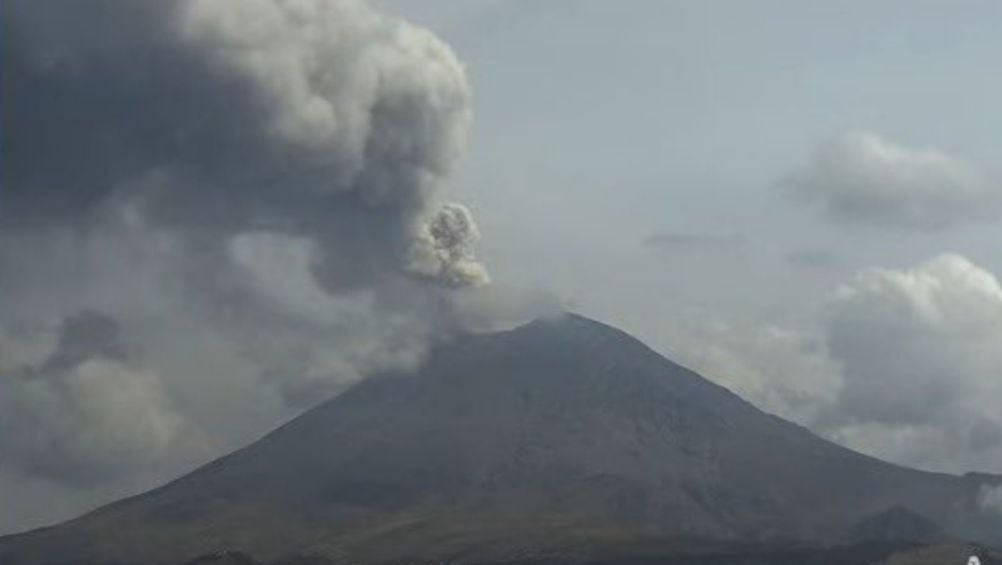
<point x="781" y="370"/>
<point x="864" y="179"/>
<point x="912" y="342"/>
<point x="901" y="364"/>
<point x="919" y="357"/>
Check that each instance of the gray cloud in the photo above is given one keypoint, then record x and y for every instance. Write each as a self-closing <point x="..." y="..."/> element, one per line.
<point x="863" y="179"/>
<point x="812" y="258"/>
<point x="916" y="343"/>
<point x="696" y="242"/>
<point x="919" y="359"/>
<point x="86" y="335"/>
<point x="919" y="363"/>
<point x="85" y="413"/>
<point x="783" y="370"/>
<point x="191" y="132"/>
<point x="901" y="364"/>
<point x="325" y="119"/>
<point x="444" y="249"/>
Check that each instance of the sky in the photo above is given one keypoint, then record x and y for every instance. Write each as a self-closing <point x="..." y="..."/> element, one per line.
<point x="213" y="217"/>
<point x="750" y="187"/>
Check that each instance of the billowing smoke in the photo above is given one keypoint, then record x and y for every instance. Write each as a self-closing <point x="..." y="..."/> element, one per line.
<point x="321" y="118"/>
<point x="86" y="411"/>
<point x="251" y="195"/>
<point x="444" y="248"/>
<point x="990" y="499"/>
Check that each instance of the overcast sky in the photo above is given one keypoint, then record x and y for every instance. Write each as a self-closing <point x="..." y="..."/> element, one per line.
<point x="800" y="200"/>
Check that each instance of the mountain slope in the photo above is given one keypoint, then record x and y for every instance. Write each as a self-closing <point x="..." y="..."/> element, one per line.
<point x="896" y="524"/>
<point x="561" y="437"/>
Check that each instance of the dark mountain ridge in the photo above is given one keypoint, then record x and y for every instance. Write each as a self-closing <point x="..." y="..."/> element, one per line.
<point x="564" y="438"/>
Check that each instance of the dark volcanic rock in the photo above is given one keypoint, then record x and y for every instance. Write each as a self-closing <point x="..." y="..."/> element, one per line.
<point x="562" y="439"/>
<point x="897" y="524"/>
<point x="224" y="558"/>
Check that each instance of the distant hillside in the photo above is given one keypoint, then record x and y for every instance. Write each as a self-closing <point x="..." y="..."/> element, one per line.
<point x="897" y="524"/>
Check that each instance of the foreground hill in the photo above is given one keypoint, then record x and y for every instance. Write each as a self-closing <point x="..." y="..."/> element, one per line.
<point x="856" y="554"/>
<point x="564" y="439"/>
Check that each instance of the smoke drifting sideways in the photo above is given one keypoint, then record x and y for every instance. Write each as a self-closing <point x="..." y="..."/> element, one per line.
<point x="85" y="411"/>
<point x="250" y="192"/>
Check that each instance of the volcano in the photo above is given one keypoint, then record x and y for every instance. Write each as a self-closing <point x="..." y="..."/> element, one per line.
<point x="563" y="439"/>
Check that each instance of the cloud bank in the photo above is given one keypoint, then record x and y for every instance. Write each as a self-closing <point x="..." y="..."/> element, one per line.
<point x="321" y="118"/>
<point x="919" y="360"/>
<point x="863" y="179"/>
<point x="899" y="363"/>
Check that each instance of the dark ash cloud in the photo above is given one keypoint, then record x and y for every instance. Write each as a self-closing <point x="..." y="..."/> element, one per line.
<point x="214" y="214"/>
<point x="323" y="119"/>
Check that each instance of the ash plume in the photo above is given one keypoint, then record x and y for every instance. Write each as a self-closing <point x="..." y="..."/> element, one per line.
<point x="250" y="192"/>
<point x="322" y="118"/>
<point x="85" y="413"/>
